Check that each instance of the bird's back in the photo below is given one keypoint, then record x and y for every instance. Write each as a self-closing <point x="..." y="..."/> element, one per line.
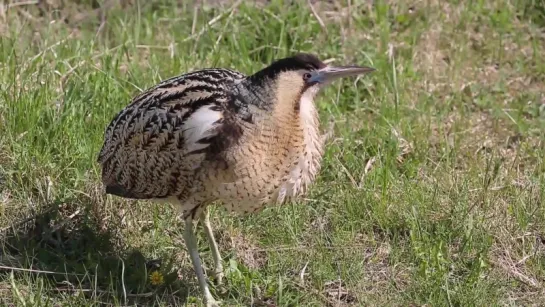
<point x="153" y="147"/>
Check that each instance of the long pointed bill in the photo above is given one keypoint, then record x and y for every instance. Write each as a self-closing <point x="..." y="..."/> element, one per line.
<point x="332" y="73"/>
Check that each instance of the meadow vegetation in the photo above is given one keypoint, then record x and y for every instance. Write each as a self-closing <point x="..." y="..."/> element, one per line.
<point x="432" y="189"/>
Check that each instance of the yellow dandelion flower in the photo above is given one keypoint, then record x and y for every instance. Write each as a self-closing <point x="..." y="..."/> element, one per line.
<point x="156" y="278"/>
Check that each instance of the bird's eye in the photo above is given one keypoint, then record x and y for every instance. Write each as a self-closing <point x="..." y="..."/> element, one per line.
<point x="307" y="76"/>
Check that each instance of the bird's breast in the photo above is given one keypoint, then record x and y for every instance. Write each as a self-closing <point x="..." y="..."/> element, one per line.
<point x="277" y="161"/>
<point x="306" y="163"/>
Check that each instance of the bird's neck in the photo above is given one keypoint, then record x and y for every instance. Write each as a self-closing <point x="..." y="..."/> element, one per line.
<point x="274" y="101"/>
<point x="256" y="92"/>
<point x="281" y="120"/>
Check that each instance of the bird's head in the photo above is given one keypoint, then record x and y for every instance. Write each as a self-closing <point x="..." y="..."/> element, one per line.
<point x="301" y="75"/>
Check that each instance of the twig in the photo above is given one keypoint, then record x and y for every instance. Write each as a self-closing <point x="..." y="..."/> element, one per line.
<point x="152" y="47"/>
<point x="349" y="16"/>
<point x="28" y="219"/>
<point x="123" y="280"/>
<point x="24" y="221"/>
<point x="195" y="18"/>
<point x="68" y="73"/>
<point x="354" y="183"/>
<point x="320" y="21"/>
<point x="27" y="15"/>
<point x="146" y="294"/>
<point x="302" y="274"/>
<point x="329" y="132"/>
<point x="213" y="21"/>
<point x="21" y="3"/>
<point x="307" y="247"/>
<point x="79" y="64"/>
<point x="61" y="224"/>
<point x="318" y="293"/>
<point x="318" y="201"/>
<point x="14" y="269"/>
<point x="524" y="259"/>
<point x="518" y="275"/>
<point x="490" y="189"/>
<point x="220" y="37"/>
<point x="116" y="80"/>
<point x="51" y="47"/>
<point x="368" y="167"/>
<point x="102" y="23"/>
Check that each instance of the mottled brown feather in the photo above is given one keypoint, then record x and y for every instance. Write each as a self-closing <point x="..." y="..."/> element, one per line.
<point x="217" y="135"/>
<point x="143" y="155"/>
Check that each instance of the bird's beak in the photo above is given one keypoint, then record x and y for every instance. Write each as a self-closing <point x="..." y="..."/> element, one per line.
<point x="329" y="74"/>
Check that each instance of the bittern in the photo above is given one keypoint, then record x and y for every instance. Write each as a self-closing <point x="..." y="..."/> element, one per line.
<point x="219" y="135"/>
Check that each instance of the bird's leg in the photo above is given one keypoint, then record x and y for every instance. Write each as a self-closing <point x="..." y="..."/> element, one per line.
<point x="218" y="267"/>
<point x="191" y="243"/>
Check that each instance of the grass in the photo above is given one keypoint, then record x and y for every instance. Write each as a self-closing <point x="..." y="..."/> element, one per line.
<point x="432" y="188"/>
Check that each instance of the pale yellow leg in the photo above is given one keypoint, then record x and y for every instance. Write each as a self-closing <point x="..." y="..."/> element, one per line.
<point x="218" y="266"/>
<point x="191" y="243"/>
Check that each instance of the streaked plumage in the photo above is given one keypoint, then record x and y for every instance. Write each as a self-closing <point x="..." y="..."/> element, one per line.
<point x="217" y="134"/>
<point x="156" y="145"/>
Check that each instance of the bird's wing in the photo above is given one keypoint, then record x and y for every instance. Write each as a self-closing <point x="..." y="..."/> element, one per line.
<point x="153" y="147"/>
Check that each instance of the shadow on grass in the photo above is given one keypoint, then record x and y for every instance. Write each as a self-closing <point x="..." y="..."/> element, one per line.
<point x="79" y="252"/>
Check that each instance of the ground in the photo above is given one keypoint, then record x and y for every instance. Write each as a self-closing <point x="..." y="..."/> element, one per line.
<point x="432" y="188"/>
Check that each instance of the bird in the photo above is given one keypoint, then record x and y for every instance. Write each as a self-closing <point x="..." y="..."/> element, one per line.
<point x="218" y="135"/>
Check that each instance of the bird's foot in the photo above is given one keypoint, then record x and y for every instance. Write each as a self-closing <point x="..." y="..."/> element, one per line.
<point x="209" y="301"/>
<point x="218" y="275"/>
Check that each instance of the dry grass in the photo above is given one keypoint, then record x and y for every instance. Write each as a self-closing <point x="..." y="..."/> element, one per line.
<point x="432" y="186"/>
